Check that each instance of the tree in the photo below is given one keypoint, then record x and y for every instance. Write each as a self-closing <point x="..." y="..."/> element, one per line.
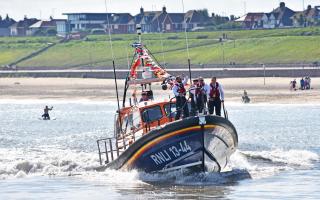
<point x="204" y="12"/>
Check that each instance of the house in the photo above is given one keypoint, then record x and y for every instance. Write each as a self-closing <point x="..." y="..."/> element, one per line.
<point x="5" y="26"/>
<point x="119" y="22"/>
<point x="177" y="20"/>
<point x="21" y="27"/>
<point x="41" y="28"/>
<point x="253" y="20"/>
<point x="160" y="21"/>
<point x="195" y="19"/>
<point x="146" y="19"/>
<point x="167" y="22"/>
<point x="62" y="27"/>
<point x="308" y="17"/>
<point x="269" y="20"/>
<point x="279" y="17"/>
<point x="283" y="16"/>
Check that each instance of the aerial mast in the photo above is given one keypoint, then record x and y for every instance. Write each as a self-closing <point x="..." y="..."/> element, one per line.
<point x="187" y="43"/>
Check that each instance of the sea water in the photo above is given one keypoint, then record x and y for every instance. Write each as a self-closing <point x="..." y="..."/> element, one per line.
<point x="278" y="155"/>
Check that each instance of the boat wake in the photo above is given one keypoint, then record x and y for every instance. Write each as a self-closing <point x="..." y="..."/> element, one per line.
<point x="261" y="164"/>
<point x="22" y="163"/>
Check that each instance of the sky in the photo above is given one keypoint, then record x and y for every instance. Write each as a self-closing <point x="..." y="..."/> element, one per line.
<point x="43" y="9"/>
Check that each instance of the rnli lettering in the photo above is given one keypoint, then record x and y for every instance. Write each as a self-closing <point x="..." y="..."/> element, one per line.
<point x="171" y="153"/>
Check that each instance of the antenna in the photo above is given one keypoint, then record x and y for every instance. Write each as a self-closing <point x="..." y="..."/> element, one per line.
<point x="161" y="40"/>
<point x="112" y="53"/>
<point x="187" y="42"/>
<point x="245" y="7"/>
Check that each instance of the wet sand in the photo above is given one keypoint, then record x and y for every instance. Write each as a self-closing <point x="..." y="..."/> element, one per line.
<point x="276" y="90"/>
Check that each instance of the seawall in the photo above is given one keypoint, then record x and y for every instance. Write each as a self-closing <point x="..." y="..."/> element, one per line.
<point x="206" y="73"/>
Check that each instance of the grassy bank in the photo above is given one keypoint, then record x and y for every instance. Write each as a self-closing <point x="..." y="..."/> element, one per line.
<point x="242" y="47"/>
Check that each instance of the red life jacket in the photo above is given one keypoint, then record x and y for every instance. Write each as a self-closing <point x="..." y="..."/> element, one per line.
<point x="214" y="91"/>
<point x="199" y="89"/>
<point x="181" y="89"/>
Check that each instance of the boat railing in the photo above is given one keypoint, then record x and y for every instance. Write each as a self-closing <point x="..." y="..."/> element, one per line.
<point x="107" y="147"/>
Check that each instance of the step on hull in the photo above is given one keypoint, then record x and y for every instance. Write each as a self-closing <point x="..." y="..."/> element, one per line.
<point x="196" y="144"/>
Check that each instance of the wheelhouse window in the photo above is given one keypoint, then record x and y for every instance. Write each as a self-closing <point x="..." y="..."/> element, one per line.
<point x="152" y="114"/>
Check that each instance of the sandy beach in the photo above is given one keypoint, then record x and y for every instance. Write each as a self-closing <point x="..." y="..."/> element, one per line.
<point x="276" y="90"/>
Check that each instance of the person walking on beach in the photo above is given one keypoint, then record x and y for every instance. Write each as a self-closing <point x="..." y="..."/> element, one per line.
<point x="180" y="93"/>
<point x="216" y="97"/>
<point x="294" y="83"/>
<point x="302" y="84"/>
<point x="291" y="85"/>
<point x="245" y="97"/>
<point x="46" y="115"/>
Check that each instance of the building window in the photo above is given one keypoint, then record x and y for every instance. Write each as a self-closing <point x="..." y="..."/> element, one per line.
<point x="168" y="27"/>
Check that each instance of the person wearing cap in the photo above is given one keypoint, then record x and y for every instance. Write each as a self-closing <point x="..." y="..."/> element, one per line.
<point x="180" y="92"/>
<point x="144" y="97"/>
<point x="201" y="94"/>
<point x="216" y="97"/>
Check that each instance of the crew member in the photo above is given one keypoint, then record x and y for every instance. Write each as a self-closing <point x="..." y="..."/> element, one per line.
<point x="193" y="90"/>
<point x="144" y="97"/>
<point x="180" y="94"/>
<point x="46" y="115"/>
<point x="201" y="94"/>
<point x="216" y="97"/>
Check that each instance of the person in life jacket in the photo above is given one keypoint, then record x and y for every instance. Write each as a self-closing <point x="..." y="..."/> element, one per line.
<point x="192" y="91"/>
<point x="180" y="92"/>
<point x="201" y="94"/>
<point x="215" y="96"/>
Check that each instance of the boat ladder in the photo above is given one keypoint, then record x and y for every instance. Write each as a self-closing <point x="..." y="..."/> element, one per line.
<point x="108" y="150"/>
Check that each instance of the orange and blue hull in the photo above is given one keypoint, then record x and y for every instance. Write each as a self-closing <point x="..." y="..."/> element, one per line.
<point x="196" y="144"/>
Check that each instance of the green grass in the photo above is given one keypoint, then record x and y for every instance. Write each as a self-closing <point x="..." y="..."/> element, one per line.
<point x="14" y="48"/>
<point x="245" y="47"/>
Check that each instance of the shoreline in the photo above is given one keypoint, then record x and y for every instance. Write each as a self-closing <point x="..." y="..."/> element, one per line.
<point x="276" y="90"/>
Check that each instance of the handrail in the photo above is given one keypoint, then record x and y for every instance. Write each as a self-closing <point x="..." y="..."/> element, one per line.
<point x="107" y="151"/>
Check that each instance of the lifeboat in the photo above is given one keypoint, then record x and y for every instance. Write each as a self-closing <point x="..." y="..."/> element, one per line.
<point x="147" y="137"/>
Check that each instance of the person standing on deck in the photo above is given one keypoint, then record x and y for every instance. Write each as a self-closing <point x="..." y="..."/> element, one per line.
<point x="192" y="91"/>
<point x="180" y="93"/>
<point x="216" y="97"/>
<point x="201" y="94"/>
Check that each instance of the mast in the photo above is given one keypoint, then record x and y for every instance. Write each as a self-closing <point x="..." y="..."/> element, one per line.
<point x="187" y="43"/>
<point x="112" y="53"/>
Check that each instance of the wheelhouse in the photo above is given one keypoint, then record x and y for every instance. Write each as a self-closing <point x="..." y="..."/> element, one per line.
<point x="144" y="117"/>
